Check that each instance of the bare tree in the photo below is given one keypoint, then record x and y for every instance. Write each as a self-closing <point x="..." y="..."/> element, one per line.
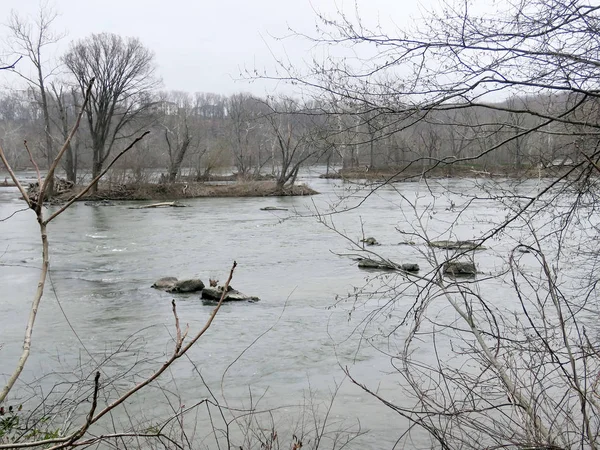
<point x="30" y="40"/>
<point x="294" y="129"/>
<point x="124" y="73"/>
<point x="243" y="112"/>
<point x="179" y="130"/>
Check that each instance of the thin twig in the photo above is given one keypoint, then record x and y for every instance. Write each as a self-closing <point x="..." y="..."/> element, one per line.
<point x="37" y="169"/>
<point x="14" y="213"/>
<point x="14" y="178"/>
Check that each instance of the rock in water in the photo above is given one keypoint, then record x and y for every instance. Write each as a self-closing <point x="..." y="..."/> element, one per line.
<point x="370" y="241"/>
<point x="386" y="265"/>
<point x="183" y="286"/>
<point x="410" y="267"/>
<point x="460" y="268"/>
<point x="372" y="264"/>
<point x="165" y="283"/>
<point x="215" y="293"/>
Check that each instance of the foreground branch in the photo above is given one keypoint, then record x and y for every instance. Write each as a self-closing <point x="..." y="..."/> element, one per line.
<point x="178" y="352"/>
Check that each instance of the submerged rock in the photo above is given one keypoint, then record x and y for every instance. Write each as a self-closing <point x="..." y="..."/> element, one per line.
<point x="456" y="245"/>
<point x="193" y="285"/>
<point x="460" y="268"/>
<point x="232" y="295"/>
<point x="164" y="283"/>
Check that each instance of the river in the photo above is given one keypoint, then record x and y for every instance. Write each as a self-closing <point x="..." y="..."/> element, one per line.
<point x="104" y="259"/>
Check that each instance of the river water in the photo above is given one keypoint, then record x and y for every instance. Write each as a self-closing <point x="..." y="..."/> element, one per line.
<point x="99" y="302"/>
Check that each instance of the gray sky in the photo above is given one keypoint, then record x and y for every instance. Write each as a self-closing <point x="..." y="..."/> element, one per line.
<point x="201" y="45"/>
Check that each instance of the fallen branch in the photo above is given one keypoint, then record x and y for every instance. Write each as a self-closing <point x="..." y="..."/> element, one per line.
<point x="160" y="205"/>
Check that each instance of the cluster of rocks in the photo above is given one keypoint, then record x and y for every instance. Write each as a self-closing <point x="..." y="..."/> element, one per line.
<point x="213" y="292"/>
<point x="458" y="268"/>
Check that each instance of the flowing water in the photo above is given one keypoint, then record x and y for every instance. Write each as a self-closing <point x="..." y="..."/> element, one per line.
<point x="104" y="259"/>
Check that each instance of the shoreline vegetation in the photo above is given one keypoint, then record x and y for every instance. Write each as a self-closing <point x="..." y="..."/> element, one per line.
<point x="265" y="186"/>
<point x="180" y="190"/>
<point x="442" y="171"/>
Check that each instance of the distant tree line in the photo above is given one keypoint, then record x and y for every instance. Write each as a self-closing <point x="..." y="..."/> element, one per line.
<point x="201" y="133"/>
<point x="194" y="135"/>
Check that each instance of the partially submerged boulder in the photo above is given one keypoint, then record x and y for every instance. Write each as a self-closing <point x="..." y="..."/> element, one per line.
<point x="164" y="283"/>
<point x="232" y="295"/>
<point x="410" y="267"/>
<point x="370" y="241"/>
<point x="183" y="286"/>
<point x="386" y="265"/>
<point x="456" y="245"/>
<point x="372" y="264"/>
<point x="460" y="268"/>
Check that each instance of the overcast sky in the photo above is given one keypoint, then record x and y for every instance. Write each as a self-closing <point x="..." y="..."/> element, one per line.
<point x="200" y="45"/>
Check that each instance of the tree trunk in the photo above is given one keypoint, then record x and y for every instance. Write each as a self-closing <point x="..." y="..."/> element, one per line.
<point x="47" y="133"/>
<point x="294" y="175"/>
<point x="71" y="157"/>
<point x="70" y="167"/>
<point x="176" y="163"/>
<point x="96" y="170"/>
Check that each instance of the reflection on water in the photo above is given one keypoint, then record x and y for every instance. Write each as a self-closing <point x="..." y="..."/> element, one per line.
<point x="104" y="260"/>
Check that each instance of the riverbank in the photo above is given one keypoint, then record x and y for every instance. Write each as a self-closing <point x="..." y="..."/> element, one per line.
<point x="177" y="191"/>
<point x="445" y="171"/>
